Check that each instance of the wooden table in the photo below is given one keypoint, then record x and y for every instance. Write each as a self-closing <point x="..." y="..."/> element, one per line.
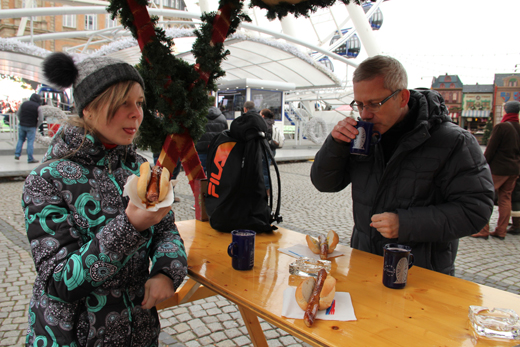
<point x="432" y="310"/>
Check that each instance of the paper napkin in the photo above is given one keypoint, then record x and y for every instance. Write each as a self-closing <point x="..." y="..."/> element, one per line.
<point x="341" y="309"/>
<point x="298" y="251"/>
<point x="130" y="190"/>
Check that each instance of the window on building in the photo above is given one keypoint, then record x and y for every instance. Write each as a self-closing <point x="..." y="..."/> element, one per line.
<point x="109" y="23"/>
<point x="455" y="96"/>
<point x="447" y="79"/>
<point x="452" y="85"/>
<point x="69" y="20"/>
<point x="90" y="22"/>
<point x="31" y="4"/>
<point x="442" y="85"/>
<point x="513" y="82"/>
<point x="268" y="99"/>
<point x="231" y="102"/>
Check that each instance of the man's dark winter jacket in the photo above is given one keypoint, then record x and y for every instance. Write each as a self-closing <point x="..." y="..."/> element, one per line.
<point x="503" y="150"/>
<point x="216" y="124"/>
<point x="437" y="181"/>
<point x="91" y="262"/>
<point x="28" y="112"/>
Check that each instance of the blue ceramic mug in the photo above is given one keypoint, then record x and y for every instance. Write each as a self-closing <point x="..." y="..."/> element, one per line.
<point x="397" y="260"/>
<point x="361" y="144"/>
<point x="242" y="249"/>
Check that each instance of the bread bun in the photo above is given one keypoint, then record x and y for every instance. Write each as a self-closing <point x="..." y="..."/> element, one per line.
<point x="327" y="293"/>
<point x="142" y="183"/>
<point x="304" y="291"/>
<point x="305" y="288"/>
<point x="332" y="240"/>
<point x="313" y="244"/>
<point x="164" y="184"/>
<point x="160" y="185"/>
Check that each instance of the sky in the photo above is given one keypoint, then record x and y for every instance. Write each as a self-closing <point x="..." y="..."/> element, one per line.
<point x="471" y="38"/>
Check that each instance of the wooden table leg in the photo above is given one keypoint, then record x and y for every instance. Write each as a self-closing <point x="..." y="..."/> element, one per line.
<point x="253" y="327"/>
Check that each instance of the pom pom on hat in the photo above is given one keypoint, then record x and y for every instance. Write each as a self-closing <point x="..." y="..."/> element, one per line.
<point x="90" y="77"/>
<point x="512" y="106"/>
<point x="59" y="70"/>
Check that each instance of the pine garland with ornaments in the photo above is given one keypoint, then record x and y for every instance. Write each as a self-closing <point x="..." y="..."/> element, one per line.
<point x="280" y="8"/>
<point x="177" y="92"/>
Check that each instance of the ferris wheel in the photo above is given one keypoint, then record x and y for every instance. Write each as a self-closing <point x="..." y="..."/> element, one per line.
<point x="347" y="31"/>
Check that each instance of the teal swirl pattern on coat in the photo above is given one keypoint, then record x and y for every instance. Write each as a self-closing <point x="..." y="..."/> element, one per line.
<point x="91" y="263"/>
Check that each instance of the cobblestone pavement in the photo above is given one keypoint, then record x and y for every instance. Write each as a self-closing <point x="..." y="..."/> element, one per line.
<point x="215" y="321"/>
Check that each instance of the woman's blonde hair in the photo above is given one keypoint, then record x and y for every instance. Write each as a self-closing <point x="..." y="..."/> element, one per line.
<point x="114" y="96"/>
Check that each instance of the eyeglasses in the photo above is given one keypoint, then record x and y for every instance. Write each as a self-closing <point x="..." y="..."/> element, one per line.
<point x="373" y="106"/>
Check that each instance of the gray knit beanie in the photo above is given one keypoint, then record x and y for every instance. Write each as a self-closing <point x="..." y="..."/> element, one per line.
<point x="512" y="106"/>
<point x="90" y="77"/>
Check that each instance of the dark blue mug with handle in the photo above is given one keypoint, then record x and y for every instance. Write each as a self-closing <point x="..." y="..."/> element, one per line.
<point x="397" y="260"/>
<point x="242" y="249"/>
<point x="361" y="144"/>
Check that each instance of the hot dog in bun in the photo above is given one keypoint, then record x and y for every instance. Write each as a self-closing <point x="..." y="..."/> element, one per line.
<point x="323" y="245"/>
<point x="153" y="184"/>
<point x="315" y="294"/>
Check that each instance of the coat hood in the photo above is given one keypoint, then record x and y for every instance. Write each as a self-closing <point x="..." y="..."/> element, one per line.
<point x="213" y="113"/>
<point x="431" y="107"/>
<point x="36" y="98"/>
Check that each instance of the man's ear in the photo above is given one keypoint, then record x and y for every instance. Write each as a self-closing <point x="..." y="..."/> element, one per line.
<point x="404" y="97"/>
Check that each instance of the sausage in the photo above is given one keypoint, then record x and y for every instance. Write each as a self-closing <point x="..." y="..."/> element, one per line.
<point x="152" y="193"/>
<point x="324" y="247"/>
<point x="314" y="301"/>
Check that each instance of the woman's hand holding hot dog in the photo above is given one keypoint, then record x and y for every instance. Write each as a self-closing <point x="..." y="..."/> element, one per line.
<point x="142" y="219"/>
<point x="345" y="130"/>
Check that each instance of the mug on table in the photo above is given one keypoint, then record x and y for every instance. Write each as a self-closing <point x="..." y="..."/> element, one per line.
<point x="397" y="260"/>
<point x="242" y="249"/>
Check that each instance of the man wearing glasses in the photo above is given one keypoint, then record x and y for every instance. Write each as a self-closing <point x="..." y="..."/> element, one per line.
<point x="425" y="184"/>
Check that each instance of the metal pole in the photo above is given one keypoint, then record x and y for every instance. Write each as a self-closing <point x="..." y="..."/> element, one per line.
<point x="363" y="29"/>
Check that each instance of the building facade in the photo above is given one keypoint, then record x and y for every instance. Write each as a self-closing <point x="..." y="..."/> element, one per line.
<point x="450" y="87"/>
<point x="13" y="27"/>
<point x="477" y="104"/>
<point x="507" y="87"/>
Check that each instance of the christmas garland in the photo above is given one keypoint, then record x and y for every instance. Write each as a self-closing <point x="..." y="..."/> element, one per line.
<point x="302" y="8"/>
<point x="177" y="92"/>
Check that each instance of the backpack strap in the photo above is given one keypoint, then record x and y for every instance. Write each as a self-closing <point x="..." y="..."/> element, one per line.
<point x="275" y="217"/>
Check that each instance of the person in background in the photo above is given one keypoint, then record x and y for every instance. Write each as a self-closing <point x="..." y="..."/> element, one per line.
<point x="503" y="156"/>
<point x="30" y="119"/>
<point x="102" y="263"/>
<point x="425" y="184"/>
<point x="514" y="228"/>
<point x="268" y="116"/>
<point x="249" y="109"/>
<point x="216" y="124"/>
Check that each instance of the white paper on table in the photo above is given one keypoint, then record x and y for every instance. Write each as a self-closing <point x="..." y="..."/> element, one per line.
<point x="340" y="310"/>
<point x="130" y="190"/>
<point x="298" y="251"/>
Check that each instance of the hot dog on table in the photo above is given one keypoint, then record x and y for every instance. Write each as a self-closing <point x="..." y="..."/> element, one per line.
<point x="315" y="294"/>
<point x="323" y="245"/>
<point x="153" y="184"/>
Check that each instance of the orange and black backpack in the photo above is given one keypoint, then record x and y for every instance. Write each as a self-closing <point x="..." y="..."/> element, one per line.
<point x="236" y="197"/>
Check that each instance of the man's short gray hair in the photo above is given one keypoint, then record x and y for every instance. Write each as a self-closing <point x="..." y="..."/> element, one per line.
<point x="249" y="105"/>
<point x="391" y="69"/>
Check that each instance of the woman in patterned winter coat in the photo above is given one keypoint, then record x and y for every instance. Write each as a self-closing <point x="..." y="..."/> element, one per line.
<point x="91" y="246"/>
